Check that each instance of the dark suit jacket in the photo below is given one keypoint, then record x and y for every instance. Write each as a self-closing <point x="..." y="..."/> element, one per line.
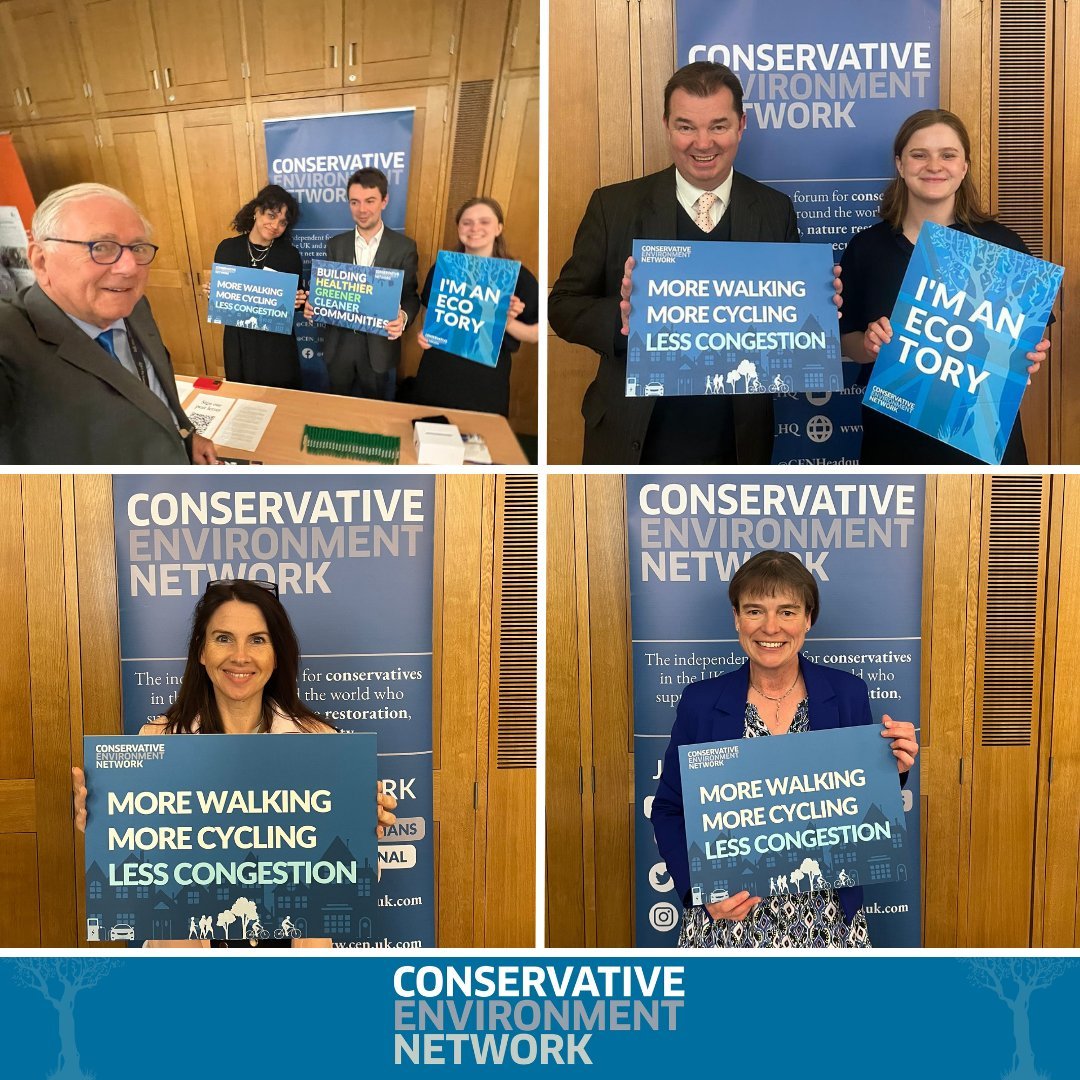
<point x="65" y="401"/>
<point x="715" y="710"/>
<point x="584" y="305"/>
<point x="396" y="252"/>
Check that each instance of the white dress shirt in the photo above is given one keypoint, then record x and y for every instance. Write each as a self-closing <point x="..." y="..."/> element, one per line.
<point x="687" y="195"/>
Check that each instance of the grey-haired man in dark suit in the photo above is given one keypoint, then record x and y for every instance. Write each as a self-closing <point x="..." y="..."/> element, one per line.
<point x="360" y="364"/>
<point x="700" y="197"/>
<point x="85" y="378"/>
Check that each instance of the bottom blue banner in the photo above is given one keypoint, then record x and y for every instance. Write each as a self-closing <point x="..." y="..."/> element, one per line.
<point x="886" y="1016"/>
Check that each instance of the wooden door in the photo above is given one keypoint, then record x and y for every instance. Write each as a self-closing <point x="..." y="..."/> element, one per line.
<point x="287" y="54"/>
<point x="514" y="182"/>
<point x="121" y="54"/>
<point x="138" y="159"/>
<point x="525" y="40"/>
<point x="200" y="46"/>
<point x="212" y="151"/>
<point x="61" y="154"/>
<point x="374" y="54"/>
<point x="41" y="42"/>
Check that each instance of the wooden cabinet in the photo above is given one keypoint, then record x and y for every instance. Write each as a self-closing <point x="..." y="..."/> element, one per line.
<point x="61" y="154"/>
<point x="12" y="109"/>
<point x="287" y="55"/>
<point x="121" y="54"/>
<point x="214" y="173"/>
<point x="49" y="80"/>
<point x="343" y="45"/>
<point x="137" y="153"/>
<point x="271" y="110"/>
<point x="525" y="42"/>
<point x="200" y="47"/>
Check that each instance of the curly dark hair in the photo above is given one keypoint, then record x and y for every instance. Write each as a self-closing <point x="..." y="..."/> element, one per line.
<point x="271" y="197"/>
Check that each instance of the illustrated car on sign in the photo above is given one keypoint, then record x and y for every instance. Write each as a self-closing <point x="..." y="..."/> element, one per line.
<point x="717" y="895"/>
<point x="654" y="389"/>
<point x="122" y="932"/>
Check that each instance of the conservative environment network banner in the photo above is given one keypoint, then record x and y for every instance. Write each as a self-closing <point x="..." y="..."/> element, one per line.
<point x="313" y="157"/>
<point x="862" y="540"/>
<point x="353" y="559"/>
<point x="826" y="87"/>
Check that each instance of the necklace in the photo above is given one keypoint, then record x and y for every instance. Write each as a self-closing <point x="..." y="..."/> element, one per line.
<point x="257" y="259"/>
<point x="778" y="700"/>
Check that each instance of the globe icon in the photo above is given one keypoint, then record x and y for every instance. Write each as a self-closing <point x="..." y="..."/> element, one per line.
<point x="819" y="429"/>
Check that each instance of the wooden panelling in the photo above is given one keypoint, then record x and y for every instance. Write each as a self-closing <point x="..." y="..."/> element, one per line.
<point x="424" y="52"/>
<point x="200" y="46"/>
<point x="112" y="28"/>
<point x="564" y="880"/>
<point x="1059" y="926"/>
<point x="19" y="893"/>
<point x="282" y="61"/>
<point x="525" y="41"/>
<point x="16" y="732"/>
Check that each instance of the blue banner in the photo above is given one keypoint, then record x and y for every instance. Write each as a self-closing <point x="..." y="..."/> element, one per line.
<point x="313" y="157"/>
<point x="469" y="305"/>
<point x="356" y="297"/>
<point x="354" y="561"/>
<point x="219" y="838"/>
<point x="967" y="315"/>
<point x="861" y="539"/>
<point x="978" y="1016"/>
<point x="254" y="299"/>
<point x="826" y="87"/>
<point x="731" y="319"/>
<point x="786" y="816"/>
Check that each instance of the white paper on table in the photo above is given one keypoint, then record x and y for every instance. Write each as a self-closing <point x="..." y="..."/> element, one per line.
<point x="245" y="425"/>
<point x="183" y="387"/>
<point x="207" y="411"/>
<point x="13" y="248"/>
<point x="476" y="450"/>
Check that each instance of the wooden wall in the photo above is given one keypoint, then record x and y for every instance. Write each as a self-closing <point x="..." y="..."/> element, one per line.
<point x="60" y="680"/>
<point x="1010" y="69"/>
<point x="1000" y="749"/>
<point x="166" y="100"/>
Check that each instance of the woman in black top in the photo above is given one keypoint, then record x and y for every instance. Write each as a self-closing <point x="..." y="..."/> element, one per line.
<point x="452" y="382"/>
<point x="932" y="152"/>
<point x="258" y="356"/>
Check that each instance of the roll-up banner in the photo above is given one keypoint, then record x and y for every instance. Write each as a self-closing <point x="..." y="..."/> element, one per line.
<point x="353" y="559"/>
<point x="826" y="86"/>
<point x="862" y="540"/>
<point x="313" y="157"/>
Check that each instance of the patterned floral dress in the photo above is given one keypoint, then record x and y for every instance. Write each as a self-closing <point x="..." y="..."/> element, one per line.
<point x="800" y="921"/>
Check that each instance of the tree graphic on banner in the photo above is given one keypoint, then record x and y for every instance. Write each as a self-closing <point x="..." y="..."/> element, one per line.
<point x="60" y="981"/>
<point x="1015" y="981"/>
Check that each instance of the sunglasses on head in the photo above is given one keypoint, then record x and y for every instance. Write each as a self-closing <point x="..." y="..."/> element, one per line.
<point x="268" y="586"/>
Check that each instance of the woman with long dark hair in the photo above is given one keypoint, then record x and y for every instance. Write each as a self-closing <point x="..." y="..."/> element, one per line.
<point x="451" y="382"/>
<point x="258" y="356"/>
<point x="932" y="153"/>
<point x="240" y="679"/>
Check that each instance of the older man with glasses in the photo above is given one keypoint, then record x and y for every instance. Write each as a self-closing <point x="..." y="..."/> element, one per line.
<point x="84" y="376"/>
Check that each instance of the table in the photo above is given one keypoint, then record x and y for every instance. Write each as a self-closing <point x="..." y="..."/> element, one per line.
<point x="280" y="444"/>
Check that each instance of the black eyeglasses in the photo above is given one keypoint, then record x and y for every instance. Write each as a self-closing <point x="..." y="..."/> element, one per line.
<point x="268" y="586"/>
<point x="107" y="252"/>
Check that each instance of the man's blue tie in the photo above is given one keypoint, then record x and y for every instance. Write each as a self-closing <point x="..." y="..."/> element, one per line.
<point x="105" y="340"/>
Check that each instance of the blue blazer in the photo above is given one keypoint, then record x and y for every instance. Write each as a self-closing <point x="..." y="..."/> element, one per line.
<point x="714" y="710"/>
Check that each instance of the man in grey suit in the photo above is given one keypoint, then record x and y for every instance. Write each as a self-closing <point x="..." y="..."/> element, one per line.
<point x="700" y="197"/>
<point x="84" y="376"/>
<point x="360" y="364"/>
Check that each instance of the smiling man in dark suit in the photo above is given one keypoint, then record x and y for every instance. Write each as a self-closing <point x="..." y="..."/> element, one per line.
<point x="700" y="197"/>
<point x="85" y="378"/>
<point x="359" y="364"/>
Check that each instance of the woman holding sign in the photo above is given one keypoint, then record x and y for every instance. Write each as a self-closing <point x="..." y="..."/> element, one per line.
<point x="932" y="154"/>
<point x="258" y="356"/>
<point x="240" y="679"/>
<point x="450" y="381"/>
<point x="777" y="692"/>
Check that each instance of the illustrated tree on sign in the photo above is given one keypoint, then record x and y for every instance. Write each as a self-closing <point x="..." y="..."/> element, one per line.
<point x="1014" y="981"/>
<point x="60" y="980"/>
<point x="796" y="877"/>
<point x="747" y="369"/>
<point x="225" y="919"/>
<point x="246" y="911"/>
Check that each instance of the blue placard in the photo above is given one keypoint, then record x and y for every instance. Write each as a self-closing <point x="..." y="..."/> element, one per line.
<point x="712" y="319"/>
<point x="357" y="297"/>
<point x="968" y="313"/>
<point x="254" y="299"/>
<point x="784" y="816"/>
<point x="220" y="837"/>
<point x="469" y="305"/>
